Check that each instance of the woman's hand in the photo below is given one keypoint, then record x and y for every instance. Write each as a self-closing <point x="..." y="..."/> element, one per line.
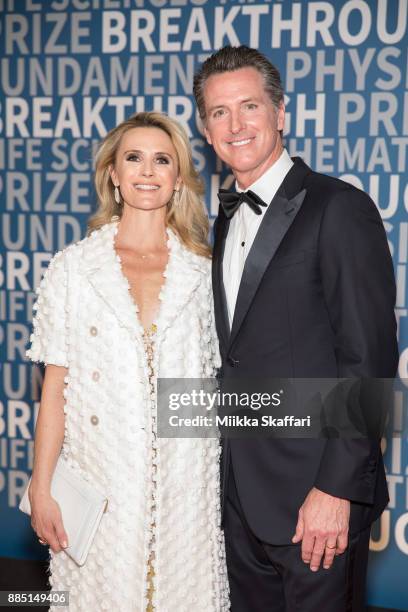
<point x="46" y="520"/>
<point x="49" y="434"/>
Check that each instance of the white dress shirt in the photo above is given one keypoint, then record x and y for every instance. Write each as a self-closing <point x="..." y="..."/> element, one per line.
<point x="244" y="226"/>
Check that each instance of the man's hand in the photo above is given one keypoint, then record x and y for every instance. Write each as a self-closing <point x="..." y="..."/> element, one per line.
<point x="322" y="526"/>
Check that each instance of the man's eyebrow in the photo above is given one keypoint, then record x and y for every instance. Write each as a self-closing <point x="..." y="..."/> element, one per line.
<point x="215" y="106"/>
<point x="250" y="99"/>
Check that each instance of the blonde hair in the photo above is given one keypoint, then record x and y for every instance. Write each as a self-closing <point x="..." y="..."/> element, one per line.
<point x="188" y="218"/>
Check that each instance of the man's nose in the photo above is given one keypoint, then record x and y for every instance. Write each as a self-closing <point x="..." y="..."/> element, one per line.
<point x="236" y="123"/>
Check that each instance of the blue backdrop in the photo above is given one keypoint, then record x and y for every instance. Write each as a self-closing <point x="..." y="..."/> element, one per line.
<point x="72" y="69"/>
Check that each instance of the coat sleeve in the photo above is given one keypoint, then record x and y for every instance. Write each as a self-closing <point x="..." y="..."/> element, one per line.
<point x="49" y="337"/>
<point x="215" y="347"/>
<point x="359" y="291"/>
<point x="213" y="361"/>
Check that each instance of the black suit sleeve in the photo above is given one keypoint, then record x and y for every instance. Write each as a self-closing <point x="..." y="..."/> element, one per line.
<point x="359" y="291"/>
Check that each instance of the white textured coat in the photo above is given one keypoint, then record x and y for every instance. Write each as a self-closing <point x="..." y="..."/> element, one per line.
<point x="87" y="321"/>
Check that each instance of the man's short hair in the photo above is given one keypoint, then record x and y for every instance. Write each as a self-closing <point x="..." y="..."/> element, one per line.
<point x="229" y="59"/>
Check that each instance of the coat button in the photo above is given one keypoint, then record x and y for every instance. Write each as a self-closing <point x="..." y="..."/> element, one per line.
<point x="93" y="331"/>
<point x="95" y="376"/>
<point x="94" y="419"/>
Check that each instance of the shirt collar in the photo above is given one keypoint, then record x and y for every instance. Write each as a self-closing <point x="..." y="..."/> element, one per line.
<point x="267" y="185"/>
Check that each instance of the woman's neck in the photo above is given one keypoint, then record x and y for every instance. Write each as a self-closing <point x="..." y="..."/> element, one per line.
<point x="142" y="230"/>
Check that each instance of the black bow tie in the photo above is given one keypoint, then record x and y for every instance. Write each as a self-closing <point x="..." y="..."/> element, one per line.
<point x="231" y="201"/>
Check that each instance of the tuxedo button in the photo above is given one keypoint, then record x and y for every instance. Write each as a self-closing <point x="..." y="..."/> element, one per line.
<point x="232" y="362"/>
<point x="95" y="376"/>
<point x="93" y="331"/>
<point x="94" y="419"/>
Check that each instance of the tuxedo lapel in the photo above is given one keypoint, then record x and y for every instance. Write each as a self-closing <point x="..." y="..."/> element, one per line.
<point x="276" y="222"/>
<point x="220" y="300"/>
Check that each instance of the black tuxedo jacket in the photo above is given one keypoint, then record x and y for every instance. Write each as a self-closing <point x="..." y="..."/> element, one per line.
<point x="316" y="300"/>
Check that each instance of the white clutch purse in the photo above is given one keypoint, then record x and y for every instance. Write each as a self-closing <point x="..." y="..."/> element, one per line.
<point x="81" y="507"/>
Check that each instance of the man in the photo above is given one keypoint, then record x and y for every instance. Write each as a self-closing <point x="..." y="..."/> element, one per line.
<point x="303" y="288"/>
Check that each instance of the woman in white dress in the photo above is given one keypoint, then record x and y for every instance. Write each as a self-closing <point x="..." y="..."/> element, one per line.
<point x="130" y="303"/>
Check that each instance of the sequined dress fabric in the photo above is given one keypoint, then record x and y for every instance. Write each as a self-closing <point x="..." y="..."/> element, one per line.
<point x="148" y="341"/>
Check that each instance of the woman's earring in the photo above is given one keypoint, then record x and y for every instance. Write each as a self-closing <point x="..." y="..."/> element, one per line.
<point x="117" y="195"/>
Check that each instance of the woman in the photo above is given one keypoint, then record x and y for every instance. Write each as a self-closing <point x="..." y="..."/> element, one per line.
<point x="131" y="302"/>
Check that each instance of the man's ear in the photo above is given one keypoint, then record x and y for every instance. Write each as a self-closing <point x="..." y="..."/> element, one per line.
<point x="207" y="136"/>
<point x="281" y="117"/>
<point x="113" y="175"/>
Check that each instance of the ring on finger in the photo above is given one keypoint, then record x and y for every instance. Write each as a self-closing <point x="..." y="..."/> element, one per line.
<point x="43" y="542"/>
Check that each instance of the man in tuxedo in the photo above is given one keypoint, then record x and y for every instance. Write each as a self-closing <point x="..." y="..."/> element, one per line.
<point x="303" y="288"/>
